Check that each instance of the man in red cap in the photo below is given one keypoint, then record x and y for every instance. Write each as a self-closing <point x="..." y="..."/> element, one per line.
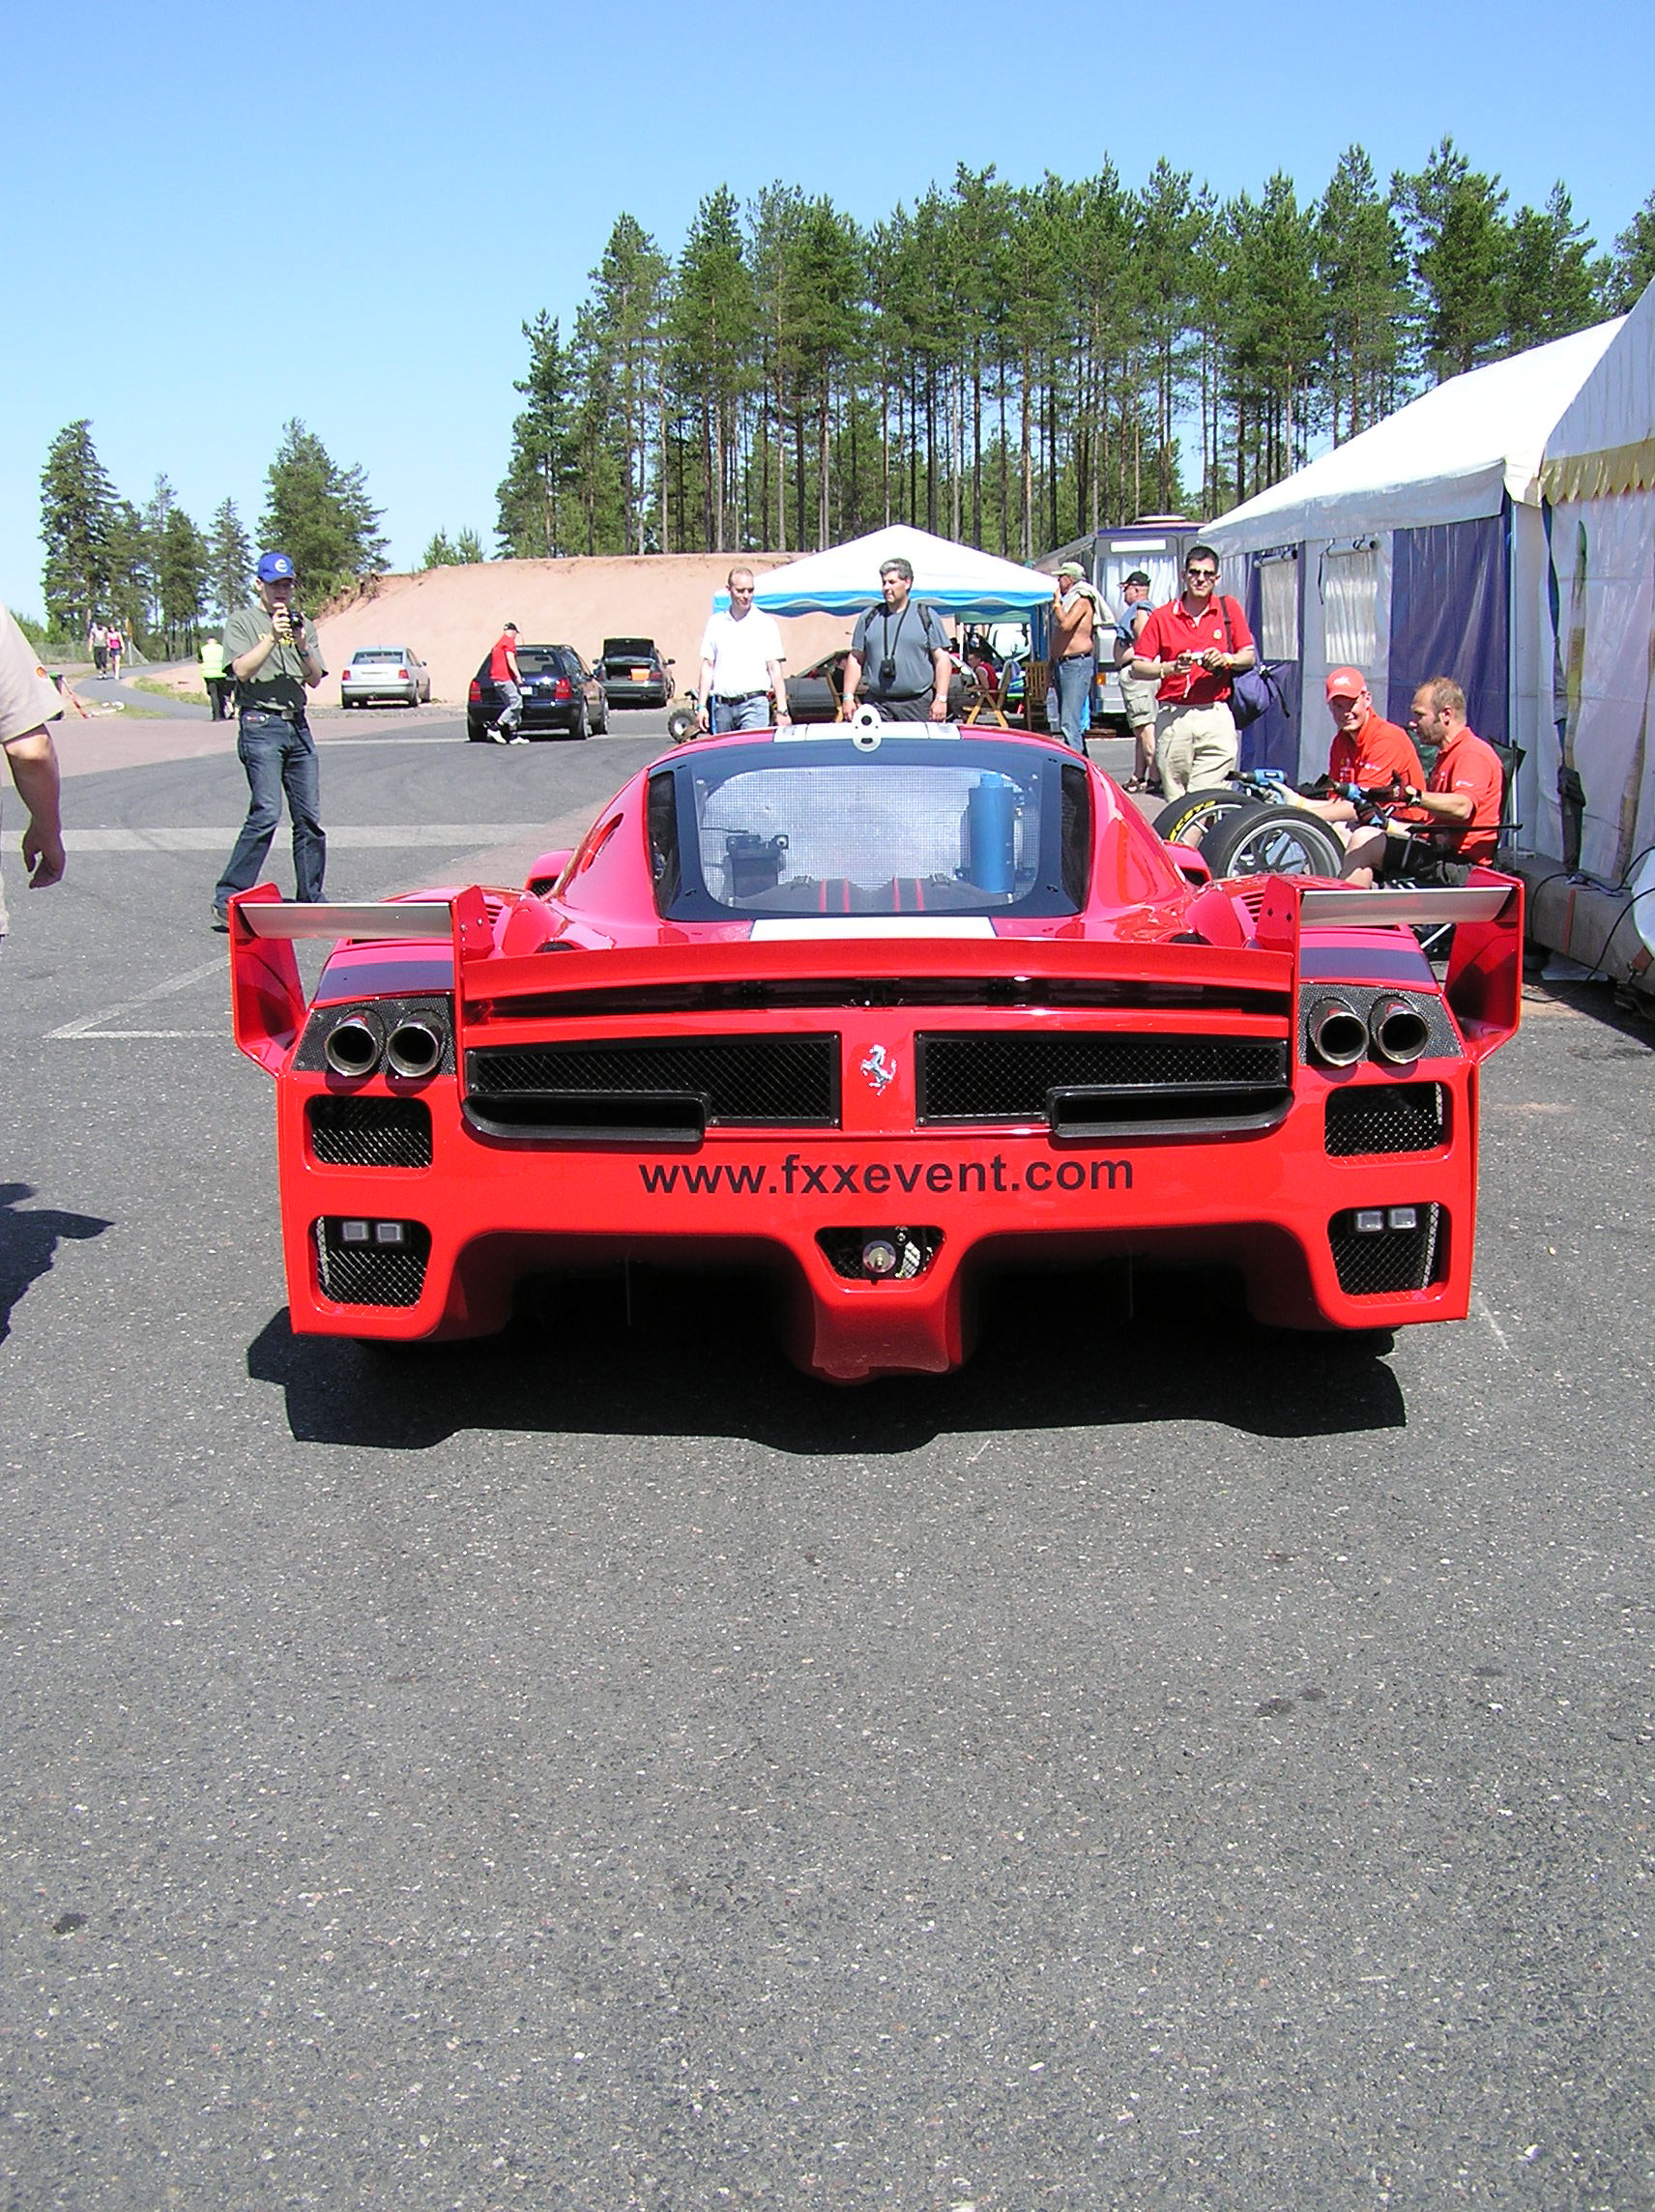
<point x="1366" y="749"/>
<point x="1459" y="808"/>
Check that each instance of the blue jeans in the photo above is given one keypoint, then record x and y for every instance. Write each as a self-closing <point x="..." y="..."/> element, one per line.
<point x="752" y="714"/>
<point x="1074" y="698"/>
<point x="278" y="756"/>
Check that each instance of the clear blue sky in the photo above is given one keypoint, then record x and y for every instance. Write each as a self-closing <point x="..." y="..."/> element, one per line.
<point x="426" y="176"/>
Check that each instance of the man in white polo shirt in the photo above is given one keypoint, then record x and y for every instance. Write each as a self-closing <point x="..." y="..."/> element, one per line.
<point x="742" y="663"/>
<point x="28" y="701"/>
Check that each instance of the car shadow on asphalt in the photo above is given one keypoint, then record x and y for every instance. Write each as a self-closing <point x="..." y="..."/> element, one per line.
<point x="701" y="1360"/>
<point x="28" y="1242"/>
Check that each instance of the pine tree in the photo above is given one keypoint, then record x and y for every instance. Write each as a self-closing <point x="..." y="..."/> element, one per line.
<point x="714" y="322"/>
<point x="1631" y="267"/>
<point x="181" y="565"/>
<point x="1361" y="262"/>
<point x="1461" y="243"/>
<point x="1550" y="280"/>
<point x="78" y="521"/>
<point x="321" y="516"/>
<point x="531" y="500"/>
<point x="229" y="562"/>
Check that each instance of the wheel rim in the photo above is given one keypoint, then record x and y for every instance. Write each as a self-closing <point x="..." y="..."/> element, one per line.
<point x="1277" y="846"/>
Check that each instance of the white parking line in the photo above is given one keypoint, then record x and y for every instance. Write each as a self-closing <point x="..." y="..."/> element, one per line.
<point x="351" y="837"/>
<point x="88" y="1023"/>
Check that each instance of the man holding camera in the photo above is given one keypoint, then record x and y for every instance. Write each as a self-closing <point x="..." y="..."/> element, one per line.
<point x="904" y="642"/>
<point x="275" y="658"/>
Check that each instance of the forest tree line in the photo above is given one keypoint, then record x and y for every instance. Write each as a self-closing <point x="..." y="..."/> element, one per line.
<point x="1017" y="366"/>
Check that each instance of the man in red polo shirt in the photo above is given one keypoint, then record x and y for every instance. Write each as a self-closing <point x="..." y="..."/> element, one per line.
<point x="1193" y="646"/>
<point x="1366" y="750"/>
<point x="1459" y="807"/>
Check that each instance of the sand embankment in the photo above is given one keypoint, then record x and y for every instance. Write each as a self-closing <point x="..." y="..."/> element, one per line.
<point x="450" y="617"/>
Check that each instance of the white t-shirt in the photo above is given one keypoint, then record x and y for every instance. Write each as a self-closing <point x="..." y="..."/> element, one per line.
<point x="740" y="651"/>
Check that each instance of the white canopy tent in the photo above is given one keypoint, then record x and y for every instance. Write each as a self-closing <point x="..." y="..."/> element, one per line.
<point x="1596" y="608"/>
<point x="956" y="579"/>
<point x="1415" y="549"/>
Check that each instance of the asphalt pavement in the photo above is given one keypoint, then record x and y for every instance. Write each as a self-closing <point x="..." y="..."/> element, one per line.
<point x="1165" y="1763"/>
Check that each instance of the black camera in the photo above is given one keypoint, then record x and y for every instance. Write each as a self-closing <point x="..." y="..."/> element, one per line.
<point x="888" y="672"/>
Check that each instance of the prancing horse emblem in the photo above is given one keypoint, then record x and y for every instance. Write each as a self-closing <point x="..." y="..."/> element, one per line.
<point x="878" y="1069"/>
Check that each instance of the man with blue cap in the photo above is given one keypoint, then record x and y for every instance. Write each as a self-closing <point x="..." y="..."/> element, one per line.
<point x="275" y="658"/>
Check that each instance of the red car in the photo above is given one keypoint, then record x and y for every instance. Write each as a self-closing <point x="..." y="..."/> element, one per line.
<point x="879" y="1013"/>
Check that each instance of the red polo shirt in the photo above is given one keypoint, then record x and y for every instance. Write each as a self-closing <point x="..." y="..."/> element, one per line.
<point x="1376" y="752"/>
<point x="1465" y="763"/>
<point x="499" y="666"/>
<point x="1172" y="629"/>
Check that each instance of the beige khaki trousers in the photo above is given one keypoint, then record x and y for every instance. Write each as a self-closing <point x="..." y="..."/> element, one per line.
<point x="1195" y="747"/>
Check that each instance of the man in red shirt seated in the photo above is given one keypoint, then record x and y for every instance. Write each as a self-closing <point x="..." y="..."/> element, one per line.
<point x="1192" y="647"/>
<point x="1367" y="750"/>
<point x="1459" y="807"/>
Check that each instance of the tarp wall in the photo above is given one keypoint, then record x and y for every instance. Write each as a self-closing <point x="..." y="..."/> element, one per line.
<point x="1451" y="616"/>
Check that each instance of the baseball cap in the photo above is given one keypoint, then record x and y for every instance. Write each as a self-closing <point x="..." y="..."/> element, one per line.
<point x="1138" y="576"/>
<point x="1346" y="682"/>
<point x="272" y="566"/>
<point x="1073" y="571"/>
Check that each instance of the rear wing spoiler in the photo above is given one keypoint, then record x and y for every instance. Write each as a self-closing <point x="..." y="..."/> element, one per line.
<point x="268" y="1002"/>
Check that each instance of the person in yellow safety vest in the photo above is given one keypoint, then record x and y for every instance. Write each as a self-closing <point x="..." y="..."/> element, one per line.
<point x="215" y="677"/>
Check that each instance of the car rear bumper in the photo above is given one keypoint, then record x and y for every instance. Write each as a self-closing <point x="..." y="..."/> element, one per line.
<point x="490" y="1210"/>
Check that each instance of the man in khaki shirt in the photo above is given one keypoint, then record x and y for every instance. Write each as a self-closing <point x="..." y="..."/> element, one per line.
<point x="28" y="701"/>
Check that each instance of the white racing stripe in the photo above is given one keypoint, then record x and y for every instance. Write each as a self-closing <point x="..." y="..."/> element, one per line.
<point x="872" y="925"/>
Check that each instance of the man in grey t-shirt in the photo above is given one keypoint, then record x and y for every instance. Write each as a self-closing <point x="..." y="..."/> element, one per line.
<point x="28" y="701"/>
<point x="902" y="646"/>
<point x="275" y="658"/>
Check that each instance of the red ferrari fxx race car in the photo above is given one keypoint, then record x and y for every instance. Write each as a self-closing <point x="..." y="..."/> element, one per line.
<point x="880" y="1012"/>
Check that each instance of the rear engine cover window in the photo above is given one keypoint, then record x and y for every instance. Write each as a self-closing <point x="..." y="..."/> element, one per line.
<point x="918" y="827"/>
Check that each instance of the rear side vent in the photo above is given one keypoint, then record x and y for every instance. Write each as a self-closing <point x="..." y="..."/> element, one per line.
<point x="1375" y="1118"/>
<point x="370" y="1132"/>
<point x="1380" y="1251"/>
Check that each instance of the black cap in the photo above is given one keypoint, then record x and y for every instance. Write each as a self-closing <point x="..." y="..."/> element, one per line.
<point x="1138" y="576"/>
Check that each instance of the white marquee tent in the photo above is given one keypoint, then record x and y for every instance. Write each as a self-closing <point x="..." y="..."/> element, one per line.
<point x="1597" y="609"/>
<point x="956" y="578"/>
<point x="1415" y="549"/>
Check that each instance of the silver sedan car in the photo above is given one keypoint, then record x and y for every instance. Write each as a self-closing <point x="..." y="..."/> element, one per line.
<point x="377" y="671"/>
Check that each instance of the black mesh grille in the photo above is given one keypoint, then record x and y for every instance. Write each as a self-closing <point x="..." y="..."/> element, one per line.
<point x="370" y="1132"/>
<point x="371" y="1274"/>
<point x="1381" y="1263"/>
<point x="1002" y="1076"/>
<point x="1385" y="1118"/>
<point x="742" y="1078"/>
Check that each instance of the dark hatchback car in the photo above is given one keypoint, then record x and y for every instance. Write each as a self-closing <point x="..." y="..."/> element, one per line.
<point x="813" y="695"/>
<point x="634" y="673"/>
<point x="561" y="695"/>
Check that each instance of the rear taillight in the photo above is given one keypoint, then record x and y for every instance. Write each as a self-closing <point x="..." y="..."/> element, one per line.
<point x="561" y="689"/>
<point x="403" y="676"/>
<point x="476" y="692"/>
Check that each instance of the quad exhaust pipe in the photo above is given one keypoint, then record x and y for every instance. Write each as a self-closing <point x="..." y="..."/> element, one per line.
<point x="1399" y="1031"/>
<point x="1337" y="1032"/>
<point x="413" y="1050"/>
<point x="354" y="1045"/>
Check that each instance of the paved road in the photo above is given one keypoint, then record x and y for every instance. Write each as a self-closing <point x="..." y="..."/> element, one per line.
<point x="1160" y="1766"/>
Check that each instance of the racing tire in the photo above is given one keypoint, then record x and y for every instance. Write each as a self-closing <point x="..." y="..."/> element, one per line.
<point x="681" y="724"/>
<point x="1273" y="841"/>
<point x="1186" y="821"/>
